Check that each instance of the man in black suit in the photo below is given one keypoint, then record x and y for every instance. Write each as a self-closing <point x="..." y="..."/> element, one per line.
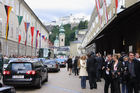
<point x="92" y="69"/>
<point x="107" y="74"/>
<point x="134" y="76"/>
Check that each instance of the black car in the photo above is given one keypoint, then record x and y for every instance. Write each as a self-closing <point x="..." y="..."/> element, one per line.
<point x="7" y="89"/>
<point x="52" y="65"/>
<point x="62" y="62"/>
<point x="25" y="72"/>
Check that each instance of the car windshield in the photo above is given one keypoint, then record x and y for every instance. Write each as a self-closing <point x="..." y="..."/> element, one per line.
<point x="49" y="62"/>
<point x="60" y="60"/>
<point x="21" y="66"/>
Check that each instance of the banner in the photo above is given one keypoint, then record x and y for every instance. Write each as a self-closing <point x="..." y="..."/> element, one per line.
<point x="106" y="13"/>
<point x="40" y="40"/>
<point x="19" y="38"/>
<point x="97" y="2"/>
<point x="20" y="19"/>
<point x="116" y="1"/>
<point x="8" y="11"/>
<point x="43" y="37"/>
<point x="26" y="30"/>
<point x="32" y="34"/>
<point x="37" y="38"/>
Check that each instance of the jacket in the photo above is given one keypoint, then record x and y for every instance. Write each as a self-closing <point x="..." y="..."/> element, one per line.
<point x="83" y="71"/>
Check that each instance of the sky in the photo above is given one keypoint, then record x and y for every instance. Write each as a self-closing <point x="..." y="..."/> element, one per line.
<point x="51" y="10"/>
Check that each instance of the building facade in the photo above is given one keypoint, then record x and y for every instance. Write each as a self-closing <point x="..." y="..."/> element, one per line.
<point x="114" y="28"/>
<point x="20" y="8"/>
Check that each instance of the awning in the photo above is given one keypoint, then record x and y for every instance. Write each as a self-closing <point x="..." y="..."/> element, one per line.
<point x="117" y="20"/>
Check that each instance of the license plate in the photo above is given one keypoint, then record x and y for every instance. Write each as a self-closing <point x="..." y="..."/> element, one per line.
<point x="18" y="76"/>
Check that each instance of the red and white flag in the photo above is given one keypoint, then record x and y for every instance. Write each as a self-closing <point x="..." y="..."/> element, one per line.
<point x="116" y="1"/>
<point x="97" y="2"/>
<point x="106" y="12"/>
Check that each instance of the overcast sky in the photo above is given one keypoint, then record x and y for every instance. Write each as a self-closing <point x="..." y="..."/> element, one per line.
<point x="50" y="10"/>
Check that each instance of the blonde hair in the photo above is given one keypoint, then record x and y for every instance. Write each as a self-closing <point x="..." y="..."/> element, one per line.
<point x="83" y="57"/>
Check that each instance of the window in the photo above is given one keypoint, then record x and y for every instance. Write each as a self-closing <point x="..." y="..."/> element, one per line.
<point x="16" y="33"/>
<point x="12" y="30"/>
<point x="96" y="19"/>
<point x="13" y="5"/>
<point x="108" y="2"/>
<point x="1" y="1"/>
<point x="6" y="2"/>
<point x="17" y="9"/>
<point x="0" y="26"/>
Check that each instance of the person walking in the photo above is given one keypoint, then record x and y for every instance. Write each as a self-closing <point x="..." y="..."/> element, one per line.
<point x="92" y="69"/>
<point x="107" y="74"/>
<point x="76" y="70"/>
<point x="134" y="78"/>
<point x="83" y="72"/>
<point x="69" y="62"/>
<point x="116" y="72"/>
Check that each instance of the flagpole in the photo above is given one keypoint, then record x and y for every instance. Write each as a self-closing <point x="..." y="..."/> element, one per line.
<point x="19" y="28"/>
<point x="26" y="44"/>
<point x="36" y="38"/>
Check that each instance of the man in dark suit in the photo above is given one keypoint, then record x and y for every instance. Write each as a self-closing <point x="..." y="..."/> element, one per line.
<point x="107" y="74"/>
<point x="134" y="76"/>
<point x="92" y="69"/>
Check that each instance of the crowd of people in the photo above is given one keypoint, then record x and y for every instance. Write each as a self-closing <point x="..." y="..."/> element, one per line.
<point x="121" y="72"/>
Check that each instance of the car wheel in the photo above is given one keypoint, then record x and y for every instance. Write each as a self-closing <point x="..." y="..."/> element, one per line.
<point x="39" y="83"/>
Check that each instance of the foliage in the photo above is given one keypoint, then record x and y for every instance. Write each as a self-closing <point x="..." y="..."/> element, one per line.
<point x="69" y="32"/>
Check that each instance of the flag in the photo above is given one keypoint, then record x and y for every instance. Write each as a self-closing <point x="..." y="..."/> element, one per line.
<point x="46" y="38"/>
<point x="20" y="19"/>
<point x="19" y="38"/>
<point x="97" y="2"/>
<point x="40" y="40"/>
<point x="37" y="32"/>
<point x="43" y="37"/>
<point x="32" y="34"/>
<point x="26" y="30"/>
<point x="106" y="13"/>
<point x="8" y="11"/>
<point x="116" y="1"/>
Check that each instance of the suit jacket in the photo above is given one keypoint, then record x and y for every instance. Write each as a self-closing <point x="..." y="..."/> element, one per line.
<point x="91" y="64"/>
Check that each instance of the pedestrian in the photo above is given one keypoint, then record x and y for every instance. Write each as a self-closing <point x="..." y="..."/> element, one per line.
<point x="134" y="78"/>
<point x="107" y="74"/>
<point x="137" y="56"/>
<point x="124" y="74"/>
<point x="69" y="61"/>
<point x="83" y="72"/>
<point x="92" y="69"/>
<point x="100" y="62"/>
<point x="116" y="72"/>
<point x="76" y="70"/>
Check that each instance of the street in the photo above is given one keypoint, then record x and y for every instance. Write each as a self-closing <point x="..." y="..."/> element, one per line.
<point x="61" y="82"/>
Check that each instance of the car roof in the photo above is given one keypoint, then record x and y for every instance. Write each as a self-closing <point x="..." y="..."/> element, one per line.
<point x="13" y="60"/>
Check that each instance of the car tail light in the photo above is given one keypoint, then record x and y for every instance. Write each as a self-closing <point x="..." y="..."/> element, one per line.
<point x="31" y="72"/>
<point x="6" y="72"/>
<point x="56" y="65"/>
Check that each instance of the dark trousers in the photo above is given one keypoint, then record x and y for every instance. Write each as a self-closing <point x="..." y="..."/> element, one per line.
<point x="98" y="74"/>
<point x="132" y="85"/>
<point x="76" y="71"/>
<point x="108" y="84"/>
<point x="83" y="81"/>
<point x="92" y="79"/>
<point x="116" y="85"/>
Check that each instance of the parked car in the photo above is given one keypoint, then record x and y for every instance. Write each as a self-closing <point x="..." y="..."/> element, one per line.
<point x="62" y="62"/>
<point x="7" y="89"/>
<point x="25" y="72"/>
<point x="52" y="65"/>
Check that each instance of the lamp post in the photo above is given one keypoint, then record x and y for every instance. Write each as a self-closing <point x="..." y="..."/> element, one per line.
<point x="20" y="1"/>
